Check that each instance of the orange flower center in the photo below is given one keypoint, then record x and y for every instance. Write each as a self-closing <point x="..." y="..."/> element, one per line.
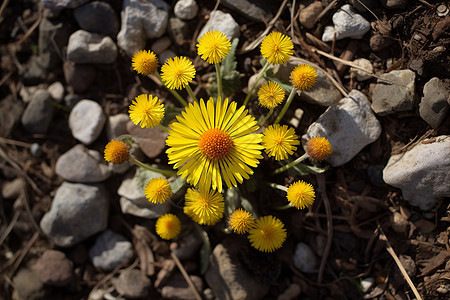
<point x="215" y="144"/>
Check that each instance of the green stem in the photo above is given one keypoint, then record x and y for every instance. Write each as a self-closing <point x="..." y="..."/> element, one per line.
<point x="286" y="106"/>
<point x="191" y="93"/>
<point x="164" y="128"/>
<point x="258" y="78"/>
<point x="167" y="173"/>
<point x="291" y="164"/>
<point x="284" y="189"/>
<point x="174" y="93"/>
<point x="261" y="123"/>
<point x="219" y="81"/>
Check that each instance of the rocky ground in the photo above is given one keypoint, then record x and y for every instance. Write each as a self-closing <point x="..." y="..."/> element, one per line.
<point x="73" y="227"/>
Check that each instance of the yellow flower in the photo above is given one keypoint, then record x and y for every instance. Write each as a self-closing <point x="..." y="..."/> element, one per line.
<point x="158" y="190"/>
<point x="168" y="226"/>
<point x="211" y="142"/>
<point x="213" y="46"/>
<point x="204" y="206"/>
<point x="117" y="152"/>
<point x="177" y="72"/>
<point x="271" y="95"/>
<point x="268" y="234"/>
<point x="280" y="141"/>
<point x="318" y="148"/>
<point x="303" y="77"/>
<point x="144" y="62"/>
<point x="277" y="48"/>
<point x="241" y="221"/>
<point x="301" y="194"/>
<point x="146" y="111"/>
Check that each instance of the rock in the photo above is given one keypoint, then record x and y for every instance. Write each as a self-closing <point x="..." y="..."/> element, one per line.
<point x="53" y="268"/>
<point x="347" y="24"/>
<point x="410" y="267"/>
<point x="309" y="14"/>
<point x="418" y="66"/>
<point x="152" y="141"/>
<point x="398" y="222"/>
<point x="186" y="9"/>
<point x="60" y="4"/>
<point x="141" y="20"/>
<point x="71" y="99"/>
<point x="434" y="104"/>
<point x="78" y="211"/>
<point x="110" y="250"/>
<point x="257" y="11"/>
<point x="379" y="42"/>
<point x="27" y="92"/>
<point x="188" y="246"/>
<point x="36" y="150"/>
<point x="388" y="98"/>
<point x="33" y="73"/>
<point x="227" y="276"/>
<point x="98" y="17"/>
<point x="56" y="90"/>
<point x="422" y="172"/>
<point x="304" y="259"/>
<point x="10" y="113"/>
<point x="39" y="113"/>
<point x="12" y="189"/>
<point x="116" y="126"/>
<point x="161" y="45"/>
<point x="179" y="31"/>
<point x="365" y="64"/>
<point x="394" y="4"/>
<point x="86" y="121"/>
<point x="375" y="173"/>
<point x="91" y="48"/>
<point x="79" y="77"/>
<point x="132" y="284"/>
<point x="82" y="165"/>
<point x="350" y="125"/>
<point x="163" y="57"/>
<point x="222" y="22"/>
<point x="28" y="286"/>
<point x="366" y="284"/>
<point x="177" y="288"/>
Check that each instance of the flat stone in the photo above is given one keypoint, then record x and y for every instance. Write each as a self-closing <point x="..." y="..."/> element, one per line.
<point x="60" y="4"/>
<point x="186" y="9"/>
<point x="304" y="259"/>
<point x="152" y="141"/>
<point x="434" y="104"/>
<point x="347" y="24"/>
<point x="255" y="10"/>
<point x="39" y="113"/>
<point x="422" y="172"/>
<point x="161" y="45"/>
<point x="132" y="284"/>
<point x="78" y="211"/>
<point x="79" y="76"/>
<point x="223" y="22"/>
<point x="388" y="98"/>
<point x="177" y="288"/>
<point x="10" y="114"/>
<point x="163" y="57"/>
<point x="91" y="48"/>
<point x="309" y="14"/>
<point x="366" y="65"/>
<point x="350" y="125"/>
<point x="116" y="126"/>
<point x="86" y="121"/>
<point x="98" y="17"/>
<point x="110" y="250"/>
<point x="53" y="268"/>
<point x="28" y="286"/>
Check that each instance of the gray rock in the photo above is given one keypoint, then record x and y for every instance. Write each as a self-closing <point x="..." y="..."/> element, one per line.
<point x="60" y="4"/>
<point x="227" y="276"/>
<point x="91" y="48"/>
<point x="366" y="284"/>
<point x="394" y="4"/>
<point x="257" y="11"/>
<point x="39" y="113"/>
<point x="141" y="20"/>
<point x="398" y="222"/>
<point x="56" y="90"/>
<point x="82" y="165"/>
<point x="434" y="104"/>
<point x="12" y="189"/>
<point x="86" y="121"/>
<point x="365" y="64"/>
<point x="163" y="57"/>
<point x="186" y="9"/>
<point x="71" y="99"/>
<point x="116" y="126"/>
<point x="379" y="42"/>
<point x="36" y="150"/>
<point x="53" y="268"/>
<point x="188" y="246"/>
<point x="309" y="14"/>
<point x="10" y="113"/>
<point x="347" y="24"/>
<point x="422" y="172"/>
<point x="388" y="97"/>
<point x="98" y="17"/>
<point x="177" y="288"/>
<point x="179" y="31"/>
<point x="350" y="125"/>
<point x="110" y="250"/>
<point x="78" y="211"/>
<point x="28" y="286"/>
<point x="304" y="259"/>
<point x="222" y="22"/>
<point x="161" y="45"/>
<point x="152" y="141"/>
<point x="132" y="284"/>
<point x="27" y="92"/>
<point x="79" y="77"/>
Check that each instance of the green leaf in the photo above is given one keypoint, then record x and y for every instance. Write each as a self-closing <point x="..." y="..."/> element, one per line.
<point x="270" y="77"/>
<point x="205" y="250"/>
<point x="170" y="111"/>
<point x="302" y="170"/>
<point x="177" y="184"/>
<point x="142" y="176"/>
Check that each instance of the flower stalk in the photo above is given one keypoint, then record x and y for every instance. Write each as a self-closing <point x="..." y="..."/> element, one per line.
<point x="167" y="173"/>
<point x="291" y="164"/>
<point x="258" y="78"/>
<point x="286" y="106"/>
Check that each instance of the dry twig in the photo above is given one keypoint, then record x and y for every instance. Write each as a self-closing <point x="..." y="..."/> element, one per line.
<point x="186" y="276"/>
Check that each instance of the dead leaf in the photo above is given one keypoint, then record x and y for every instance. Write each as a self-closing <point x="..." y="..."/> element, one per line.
<point x="434" y="262"/>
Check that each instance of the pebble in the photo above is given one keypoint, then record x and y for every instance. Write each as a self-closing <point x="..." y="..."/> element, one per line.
<point x="53" y="268"/>
<point x="228" y="278"/>
<point x="12" y="189"/>
<point x="418" y="66"/>
<point x="60" y="4"/>
<point x="110" y="250"/>
<point x="222" y="22"/>
<point x="257" y="11"/>
<point x="152" y="141"/>
<point x="10" y="114"/>
<point x="309" y="14"/>
<point x="366" y="65"/>
<point x="177" y="288"/>
<point x="366" y="284"/>
<point x="39" y="113"/>
<point x="53" y="38"/>
<point x="86" y="121"/>
<point x="350" y="125"/>
<point x="304" y="259"/>
<point x="434" y="104"/>
<point x="78" y="211"/>
<point x="379" y="42"/>
<point x="71" y="99"/>
<point x="163" y="57"/>
<point x="186" y="9"/>
<point x="34" y="73"/>
<point x="141" y="20"/>
<point x="422" y="172"/>
<point x="116" y="126"/>
<point x="161" y="45"/>
<point x="388" y="98"/>
<point x="292" y="292"/>
<point x="28" y="286"/>
<point x="398" y="222"/>
<point x="188" y="246"/>
<point x="36" y="150"/>
<point x="179" y="31"/>
<point x="82" y="165"/>
<point x="394" y="4"/>
<point x="27" y="92"/>
<point x="79" y="76"/>
<point x="56" y="90"/>
<point x="91" y="48"/>
<point x="132" y="284"/>
<point x="347" y="24"/>
<point x="98" y="17"/>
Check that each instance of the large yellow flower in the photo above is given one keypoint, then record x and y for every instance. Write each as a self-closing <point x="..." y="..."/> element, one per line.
<point x="280" y="141"/>
<point x="144" y="62"/>
<point x="177" y="72"/>
<point x="268" y="234"/>
<point x="213" y="46"/>
<point x="205" y="206"/>
<point x="214" y="141"/>
<point x="146" y="111"/>
<point x="277" y="48"/>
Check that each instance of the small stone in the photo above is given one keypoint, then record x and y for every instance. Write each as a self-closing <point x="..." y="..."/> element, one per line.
<point x="222" y="22"/>
<point x="394" y="4"/>
<point x="186" y="9"/>
<point x="179" y="31"/>
<point x="60" y="4"/>
<point x="304" y="259"/>
<point x="435" y="102"/>
<point x="132" y="284"/>
<point x="152" y="141"/>
<point x="417" y="66"/>
<point x="366" y="284"/>
<point x="34" y="73"/>
<point x="379" y="42"/>
<point x="310" y="13"/>
<point x="116" y="126"/>
<point x="188" y="246"/>
<point x="28" y="286"/>
<point x="443" y="289"/>
<point x="366" y="65"/>
<point x="10" y="114"/>
<point x="161" y="45"/>
<point x="178" y="289"/>
<point x="27" y="92"/>
<point x="388" y="97"/>
<point x="257" y="11"/>
<point x="347" y="24"/>
<point x="292" y="292"/>
<point x="163" y="57"/>
<point x="86" y="121"/>
<point x="399" y="223"/>
<point x="91" y="48"/>
<point x="56" y="90"/>
<point x="53" y="268"/>
<point x="39" y="113"/>
<point x="79" y="77"/>
<point x="12" y="189"/>
<point x="98" y="17"/>
<point x="110" y="250"/>
<point x="71" y="99"/>
<point x="36" y="150"/>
